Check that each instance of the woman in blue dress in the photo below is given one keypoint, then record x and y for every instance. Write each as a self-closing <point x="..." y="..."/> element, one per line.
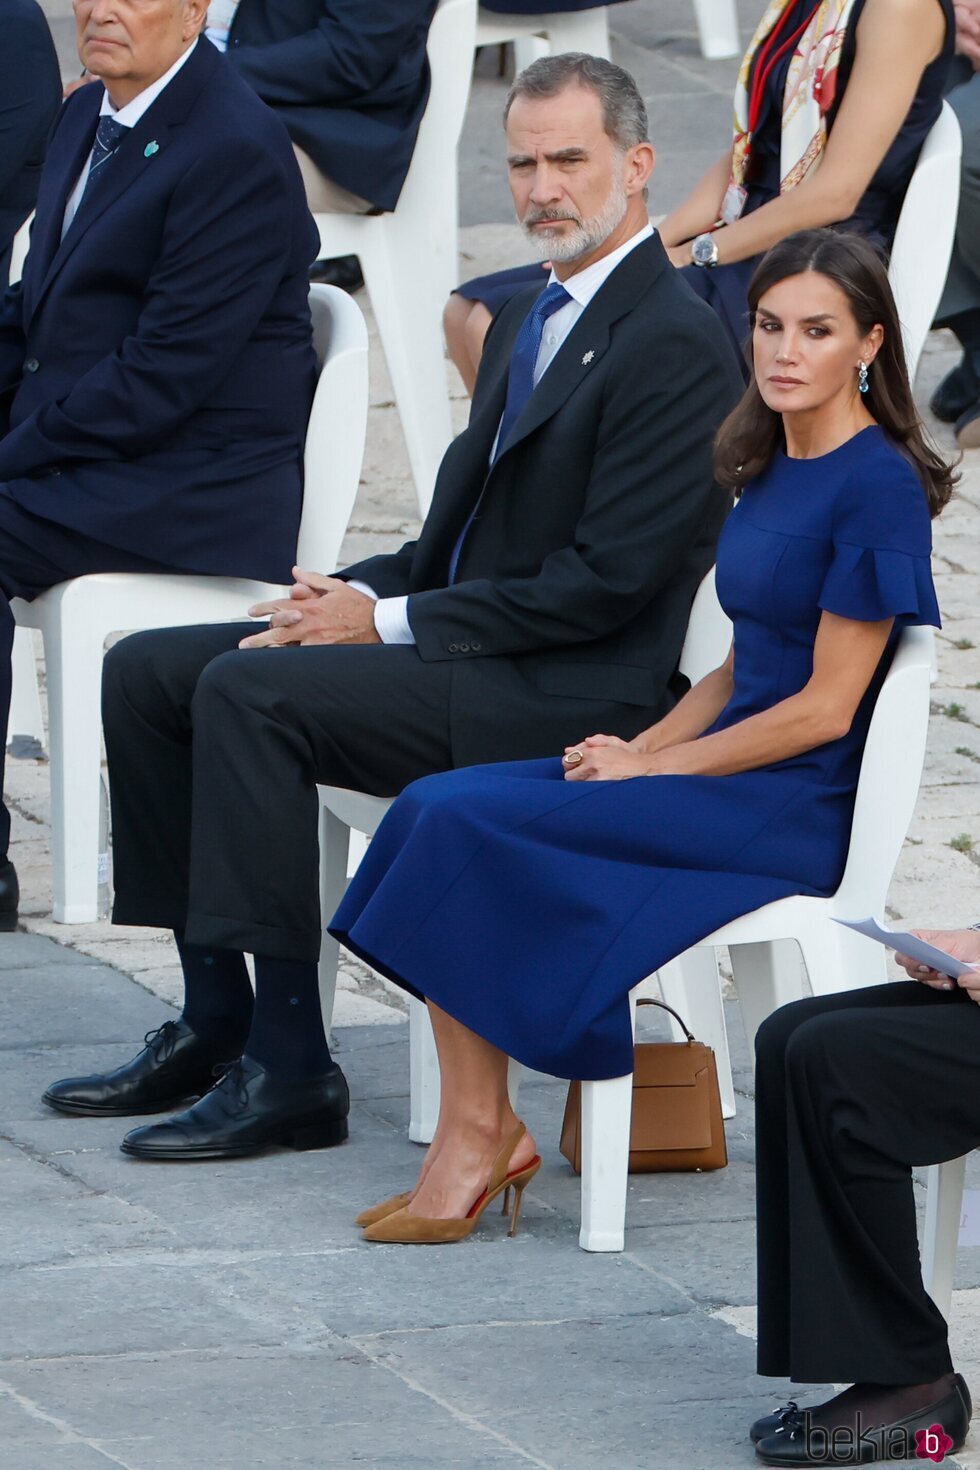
<point x="524" y="901"/>
<point x="833" y="103"/>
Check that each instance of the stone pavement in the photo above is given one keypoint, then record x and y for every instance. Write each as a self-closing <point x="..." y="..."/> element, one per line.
<point x="218" y="1315"/>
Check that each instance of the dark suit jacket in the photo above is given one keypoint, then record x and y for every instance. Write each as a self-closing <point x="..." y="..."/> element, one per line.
<point x="349" y="79"/>
<point x="30" y="96"/>
<point x="598" y="521"/>
<point x="157" y="368"/>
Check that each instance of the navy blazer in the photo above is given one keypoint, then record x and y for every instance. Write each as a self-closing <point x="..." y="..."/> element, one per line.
<point x="349" y="78"/>
<point x="157" y="366"/>
<point x="30" y="96"/>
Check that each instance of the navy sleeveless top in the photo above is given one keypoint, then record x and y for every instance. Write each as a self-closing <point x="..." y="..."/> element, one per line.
<point x="877" y="214"/>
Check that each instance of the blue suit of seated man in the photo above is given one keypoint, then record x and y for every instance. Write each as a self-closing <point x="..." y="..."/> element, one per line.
<point x="156" y="362"/>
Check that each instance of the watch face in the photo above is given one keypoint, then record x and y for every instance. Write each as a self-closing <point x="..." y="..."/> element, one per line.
<point x="704" y="250"/>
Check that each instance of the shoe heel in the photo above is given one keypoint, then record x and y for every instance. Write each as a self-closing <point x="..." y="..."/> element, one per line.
<point x="8" y="923"/>
<point x="519" y="1184"/>
<point x="505" y="1207"/>
<point x="318" y="1135"/>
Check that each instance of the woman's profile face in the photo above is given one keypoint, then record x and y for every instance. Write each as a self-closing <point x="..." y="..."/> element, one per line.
<point x="806" y="345"/>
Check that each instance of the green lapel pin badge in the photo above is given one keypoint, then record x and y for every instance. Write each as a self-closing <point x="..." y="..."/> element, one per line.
<point x="151" y="148"/>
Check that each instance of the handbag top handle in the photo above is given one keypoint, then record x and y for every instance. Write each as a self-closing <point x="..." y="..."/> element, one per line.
<point x="645" y="1001"/>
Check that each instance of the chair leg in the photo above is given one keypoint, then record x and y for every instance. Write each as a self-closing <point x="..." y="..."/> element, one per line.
<point x="583" y="30"/>
<point x="718" y="28"/>
<point x="334" y="847"/>
<point x="424" y="1085"/>
<point x="528" y="49"/>
<point x="607" y="1111"/>
<point x="944" y="1206"/>
<point x="692" y="986"/>
<point x="767" y="975"/>
<point x="25" y="705"/>
<point x="407" y="307"/>
<point x="73" y="660"/>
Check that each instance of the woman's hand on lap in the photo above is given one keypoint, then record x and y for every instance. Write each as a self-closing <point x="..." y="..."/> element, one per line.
<point x="963" y="944"/>
<point x="607" y="758"/>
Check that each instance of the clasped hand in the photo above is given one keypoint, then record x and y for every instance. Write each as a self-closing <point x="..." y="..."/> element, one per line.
<point x="963" y="944"/>
<point x="318" y="610"/>
<point x="607" y="758"/>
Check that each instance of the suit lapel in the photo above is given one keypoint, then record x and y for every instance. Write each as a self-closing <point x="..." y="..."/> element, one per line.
<point x="587" y="342"/>
<point x="139" y="150"/>
<point x="55" y="191"/>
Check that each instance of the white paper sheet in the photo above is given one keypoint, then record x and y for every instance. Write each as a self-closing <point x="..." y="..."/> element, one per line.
<point x="905" y="943"/>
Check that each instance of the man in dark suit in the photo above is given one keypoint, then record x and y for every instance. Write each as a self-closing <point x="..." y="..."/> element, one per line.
<point x="156" y="362"/>
<point x="349" y="80"/>
<point x="30" y="95"/>
<point x="546" y="597"/>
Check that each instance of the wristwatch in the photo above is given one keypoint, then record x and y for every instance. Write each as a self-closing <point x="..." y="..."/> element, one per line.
<point x="704" y="250"/>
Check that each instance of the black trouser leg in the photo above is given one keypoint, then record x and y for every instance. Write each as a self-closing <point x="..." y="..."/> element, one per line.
<point x="34" y="555"/>
<point x="214" y="758"/>
<point x="852" y="1090"/>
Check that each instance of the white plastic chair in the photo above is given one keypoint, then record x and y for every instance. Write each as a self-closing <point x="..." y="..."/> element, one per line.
<point x="342" y="811"/>
<point x="940" y="1236"/>
<point x="409" y="257"/>
<point x="539" y="35"/>
<point x="765" y="977"/>
<point x="718" y="28"/>
<point x="924" y="236"/>
<point x="76" y="617"/>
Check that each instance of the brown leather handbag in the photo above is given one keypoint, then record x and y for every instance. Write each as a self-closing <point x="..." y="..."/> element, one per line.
<point x="677" y="1123"/>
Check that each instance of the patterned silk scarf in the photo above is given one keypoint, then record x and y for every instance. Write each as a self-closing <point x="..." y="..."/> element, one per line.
<point x="811" y="85"/>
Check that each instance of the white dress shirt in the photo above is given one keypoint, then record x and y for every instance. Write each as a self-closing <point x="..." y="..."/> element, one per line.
<point x="391" y="620"/>
<point x="127" y="117"/>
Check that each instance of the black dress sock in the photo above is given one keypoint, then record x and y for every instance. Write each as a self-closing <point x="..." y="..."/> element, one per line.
<point x="287" y="1036"/>
<point x="217" y="995"/>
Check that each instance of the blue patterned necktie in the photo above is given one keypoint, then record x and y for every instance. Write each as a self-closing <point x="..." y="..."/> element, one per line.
<point x="520" y="378"/>
<point x="108" y="135"/>
<point x="520" y="385"/>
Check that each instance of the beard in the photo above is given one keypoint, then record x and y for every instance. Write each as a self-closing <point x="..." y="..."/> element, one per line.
<point x="566" y="244"/>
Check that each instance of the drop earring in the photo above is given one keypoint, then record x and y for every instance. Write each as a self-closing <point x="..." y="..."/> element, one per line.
<point x="862" y="377"/>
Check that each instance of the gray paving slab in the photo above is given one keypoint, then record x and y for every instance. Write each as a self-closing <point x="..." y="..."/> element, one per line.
<point x="331" y="1405"/>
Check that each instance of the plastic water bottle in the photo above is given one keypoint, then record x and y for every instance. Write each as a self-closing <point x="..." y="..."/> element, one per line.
<point x="105" y="853"/>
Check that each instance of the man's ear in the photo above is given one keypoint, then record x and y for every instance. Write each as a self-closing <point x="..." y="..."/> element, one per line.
<point x="640" y="162"/>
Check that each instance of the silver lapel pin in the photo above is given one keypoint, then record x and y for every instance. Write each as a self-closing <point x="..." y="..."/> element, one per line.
<point x="588" y="357"/>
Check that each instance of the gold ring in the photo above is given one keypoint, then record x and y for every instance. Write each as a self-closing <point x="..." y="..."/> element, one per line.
<point x="573" y="758"/>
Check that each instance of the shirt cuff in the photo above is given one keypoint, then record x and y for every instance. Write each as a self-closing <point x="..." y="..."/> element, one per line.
<point x="391" y="620"/>
<point x="363" y="587"/>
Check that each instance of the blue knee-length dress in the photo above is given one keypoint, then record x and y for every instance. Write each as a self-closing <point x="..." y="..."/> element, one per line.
<point x="528" y="906"/>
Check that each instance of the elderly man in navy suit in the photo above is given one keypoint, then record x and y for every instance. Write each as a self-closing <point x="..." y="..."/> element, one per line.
<point x="156" y="362"/>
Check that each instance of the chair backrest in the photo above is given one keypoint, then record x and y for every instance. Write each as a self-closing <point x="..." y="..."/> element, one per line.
<point x="337" y="426"/>
<point x="891" y="770"/>
<point x="430" y="196"/>
<point x="924" y="237"/>
<point x="709" y="633"/>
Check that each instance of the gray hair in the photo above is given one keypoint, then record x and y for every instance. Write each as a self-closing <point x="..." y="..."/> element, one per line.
<point x="624" y="116"/>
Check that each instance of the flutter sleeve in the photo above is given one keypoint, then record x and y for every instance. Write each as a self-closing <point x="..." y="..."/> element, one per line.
<point x="881" y="566"/>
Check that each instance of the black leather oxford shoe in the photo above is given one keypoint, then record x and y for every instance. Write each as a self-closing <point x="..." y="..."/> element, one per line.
<point x="942" y="1427"/>
<point x="248" y="1111"/>
<point x="174" y="1065"/>
<point x="9" y="896"/>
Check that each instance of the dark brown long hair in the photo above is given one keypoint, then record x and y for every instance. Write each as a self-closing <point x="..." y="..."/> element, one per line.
<point x="752" y="433"/>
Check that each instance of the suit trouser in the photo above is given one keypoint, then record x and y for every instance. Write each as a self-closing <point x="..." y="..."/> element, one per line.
<point x="215" y="753"/>
<point x="962" y="291"/>
<point x="35" y="554"/>
<point x="852" y="1090"/>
